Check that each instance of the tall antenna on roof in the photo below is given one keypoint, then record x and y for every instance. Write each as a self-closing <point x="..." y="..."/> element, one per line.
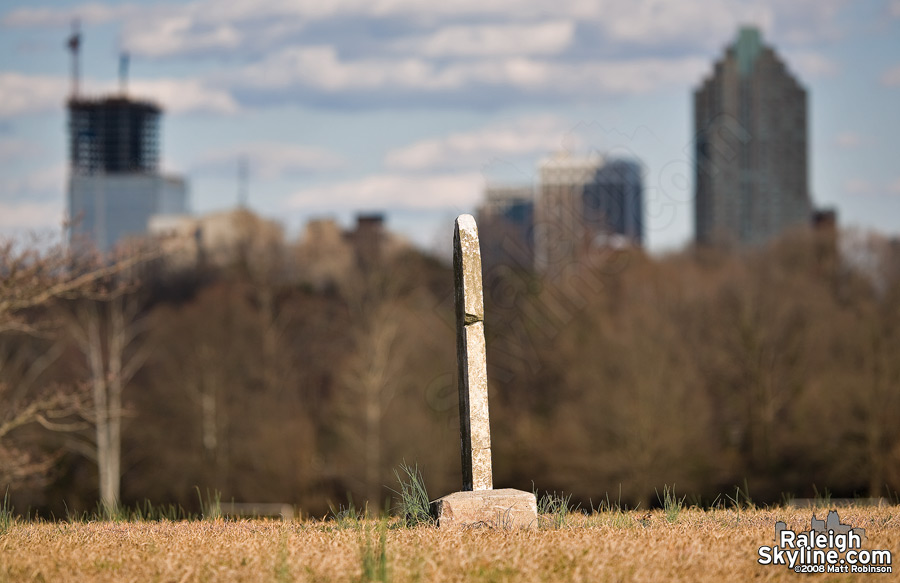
<point x="74" y="45"/>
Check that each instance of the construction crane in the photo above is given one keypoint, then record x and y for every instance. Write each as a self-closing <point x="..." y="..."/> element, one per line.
<point x="74" y="45"/>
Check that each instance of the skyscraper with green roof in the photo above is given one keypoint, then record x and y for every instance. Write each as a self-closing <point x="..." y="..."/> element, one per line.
<point x="750" y="128"/>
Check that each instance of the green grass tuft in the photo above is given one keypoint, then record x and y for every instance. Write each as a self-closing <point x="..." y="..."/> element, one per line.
<point x="373" y="556"/>
<point x="7" y="517"/>
<point x="282" y="568"/>
<point x="742" y="499"/>
<point x="554" y="509"/>
<point x="211" y="506"/>
<point x="348" y="517"/>
<point x="414" y="505"/>
<point x="145" y="512"/>
<point x="672" y="506"/>
<point x="823" y="499"/>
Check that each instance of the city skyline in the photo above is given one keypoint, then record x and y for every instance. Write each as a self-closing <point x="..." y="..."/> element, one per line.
<point x="409" y="109"/>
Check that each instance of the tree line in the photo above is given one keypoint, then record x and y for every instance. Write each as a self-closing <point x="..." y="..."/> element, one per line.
<point x="773" y="368"/>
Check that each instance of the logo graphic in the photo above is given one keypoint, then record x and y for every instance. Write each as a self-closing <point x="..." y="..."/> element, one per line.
<point x="828" y="547"/>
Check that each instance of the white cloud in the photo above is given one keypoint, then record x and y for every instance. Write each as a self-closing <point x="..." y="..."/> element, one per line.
<point x="185" y="33"/>
<point x="475" y="149"/>
<point x="28" y="94"/>
<point x="178" y="35"/>
<point x="205" y="13"/>
<point x="434" y="191"/>
<point x="810" y="65"/>
<point x="23" y="94"/>
<point x="89" y="13"/>
<point x="30" y="215"/>
<point x="891" y="77"/>
<point x="320" y="68"/>
<point x="466" y="52"/>
<point x="185" y="95"/>
<point x="173" y="29"/>
<point x="665" y="22"/>
<point x="270" y="160"/>
<point x="492" y="40"/>
<point x="18" y="149"/>
<point x="802" y="22"/>
<point x="45" y="182"/>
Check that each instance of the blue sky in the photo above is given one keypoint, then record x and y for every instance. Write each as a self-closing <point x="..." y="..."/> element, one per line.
<point x="409" y="107"/>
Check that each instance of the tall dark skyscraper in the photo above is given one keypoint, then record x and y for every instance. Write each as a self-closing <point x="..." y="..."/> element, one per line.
<point x="751" y="166"/>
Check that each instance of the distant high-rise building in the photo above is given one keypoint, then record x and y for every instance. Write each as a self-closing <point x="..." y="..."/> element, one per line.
<point x="506" y="227"/>
<point x="750" y="125"/>
<point x="114" y="181"/>
<point x="586" y="203"/>
<point x="368" y="239"/>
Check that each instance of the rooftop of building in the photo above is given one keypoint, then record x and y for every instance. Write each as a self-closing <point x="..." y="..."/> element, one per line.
<point x="565" y="160"/>
<point x="747" y="48"/>
<point x="509" y="192"/>
<point x="113" y="101"/>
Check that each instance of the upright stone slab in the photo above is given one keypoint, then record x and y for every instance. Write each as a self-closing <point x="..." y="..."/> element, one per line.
<point x="478" y="504"/>
<point x="474" y="419"/>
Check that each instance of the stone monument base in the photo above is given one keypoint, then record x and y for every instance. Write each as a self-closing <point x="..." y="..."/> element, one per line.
<point x="504" y="508"/>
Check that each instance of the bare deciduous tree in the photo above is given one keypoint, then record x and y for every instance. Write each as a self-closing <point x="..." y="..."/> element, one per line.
<point x="371" y="380"/>
<point x="52" y="409"/>
<point x="108" y="332"/>
<point x="33" y="279"/>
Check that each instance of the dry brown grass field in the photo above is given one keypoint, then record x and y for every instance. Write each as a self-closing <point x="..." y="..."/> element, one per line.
<point x="693" y="545"/>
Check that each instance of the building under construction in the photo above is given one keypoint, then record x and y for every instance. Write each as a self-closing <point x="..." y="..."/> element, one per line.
<point x="115" y="184"/>
<point x="113" y="134"/>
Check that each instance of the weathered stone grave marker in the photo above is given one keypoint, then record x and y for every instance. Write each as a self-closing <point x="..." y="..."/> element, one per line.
<point x="478" y="504"/>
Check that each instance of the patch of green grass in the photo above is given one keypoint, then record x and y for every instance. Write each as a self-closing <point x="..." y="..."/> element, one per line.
<point x="742" y="499"/>
<point x="414" y="505"/>
<point x="145" y="512"/>
<point x="7" y="518"/>
<point x="554" y="509"/>
<point x="823" y="499"/>
<point x="373" y="555"/>
<point x="564" y="567"/>
<point x="170" y="512"/>
<point x="282" y="569"/>
<point x="73" y="517"/>
<point x="494" y="574"/>
<point x="348" y="517"/>
<point x="620" y="519"/>
<point x="671" y="504"/>
<point x="610" y="513"/>
<point x="893" y="498"/>
<point x="106" y="565"/>
<point x="111" y="512"/>
<point x="787" y="499"/>
<point x="211" y="506"/>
